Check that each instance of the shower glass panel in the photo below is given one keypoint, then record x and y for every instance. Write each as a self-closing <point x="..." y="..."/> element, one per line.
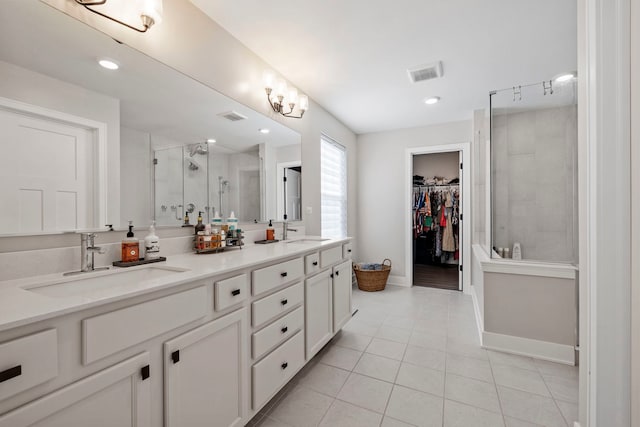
<point x="534" y="171"/>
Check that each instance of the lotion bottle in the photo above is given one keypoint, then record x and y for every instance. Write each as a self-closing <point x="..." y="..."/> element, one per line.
<point x="152" y="243"/>
<point x="270" y="231"/>
<point x="232" y="222"/>
<point x="130" y="246"/>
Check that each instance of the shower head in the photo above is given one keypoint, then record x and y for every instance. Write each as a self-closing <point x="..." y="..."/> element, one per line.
<point x="192" y="164"/>
<point x="198" y="149"/>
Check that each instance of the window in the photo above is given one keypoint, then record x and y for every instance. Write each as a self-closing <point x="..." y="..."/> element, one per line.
<point x="333" y="188"/>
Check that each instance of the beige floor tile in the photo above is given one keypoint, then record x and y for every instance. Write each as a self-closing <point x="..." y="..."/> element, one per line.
<point x="472" y="392"/>
<point x="386" y="348"/>
<point x="469" y="367"/>
<point x="569" y="411"/>
<point x="366" y="392"/>
<point x="459" y="415"/>
<point x="352" y="340"/>
<point x="466" y="349"/>
<point x="324" y="379"/>
<point x="361" y="327"/>
<point x="426" y="357"/>
<point x="520" y="379"/>
<point x="391" y="422"/>
<point x="301" y="407"/>
<point x="270" y="422"/>
<point x="393" y="334"/>
<point x="562" y="388"/>
<point x="420" y="378"/>
<point x="399" y="322"/>
<point x="523" y="362"/>
<point x="378" y="367"/>
<point x="415" y="407"/>
<point x="428" y="340"/>
<point x="512" y="422"/>
<point x="340" y="357"/>
<point x="342" y="414"/>
<point x="530" y="407"/>
<point x="556" y="369"/>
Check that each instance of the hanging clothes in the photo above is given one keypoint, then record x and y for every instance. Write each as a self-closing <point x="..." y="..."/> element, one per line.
<point x="448" y="240"/>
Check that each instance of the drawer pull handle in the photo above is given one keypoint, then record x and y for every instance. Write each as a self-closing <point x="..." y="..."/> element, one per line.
<point x="349" y="250"/>
<point x="235" y="292"/>
<point x="175" y="356"/>
<point x="337" y="273"/>
<point x="284" y="302"/>
<point x="10" y="373"/>
<point x="284" y="365"/>
<point x="284" y="274"/>
<point x="284" y="329"/>
<point x="315" y="262"/>
<point x="145" y="372"/>
<point x="331" y="275"/>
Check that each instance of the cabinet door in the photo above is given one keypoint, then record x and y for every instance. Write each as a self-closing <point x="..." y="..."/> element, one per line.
<point x="117" y="396"/>
<point x="341" y="295"/>
<point x="206" y="374"/>
<point x="318" y="318"/>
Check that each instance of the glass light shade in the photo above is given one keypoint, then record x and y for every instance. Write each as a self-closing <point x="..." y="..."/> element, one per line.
<point x="303" y="102"/>
<point x="152" y="9"/>
<point x="565" y="77"/>
<point x="293" y="95"/>
<point x="268" y="79"/>
<point x="281" y="88"/>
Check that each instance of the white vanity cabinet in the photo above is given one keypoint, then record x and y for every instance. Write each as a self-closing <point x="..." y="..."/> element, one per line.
<point x="318" y="312"/>
<point x="341" y="294"/>
<point x="116" y="396"/>
<point x="205" y="381"/>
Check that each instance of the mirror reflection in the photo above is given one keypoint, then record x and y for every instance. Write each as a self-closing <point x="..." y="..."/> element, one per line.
<point x="83" y="146"/>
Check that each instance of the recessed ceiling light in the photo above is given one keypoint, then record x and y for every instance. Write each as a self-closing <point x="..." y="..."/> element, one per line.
<point x="432" y="100"/>
<point x="211" y="141"/>
<point x="264" y="130"/>
<point x="109" y="65"/>
<point x="565" y="77"/>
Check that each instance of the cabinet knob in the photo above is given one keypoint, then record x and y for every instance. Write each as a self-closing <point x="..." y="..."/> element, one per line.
<point x="337" y="273"/>
<point x="284" y="329"/>
<point x="7" y="374"/>
<point x="331" y="275"/>
<point x="284" y="365"/>
<point x="315" y="262"/>
<point x="284" y="274"/>
<point x="349" y="250"/>
<point x="284" y="302"/>
<point x="175" y="356"/>
<point x="145" y="372"/>
<point x="235" y="292"/>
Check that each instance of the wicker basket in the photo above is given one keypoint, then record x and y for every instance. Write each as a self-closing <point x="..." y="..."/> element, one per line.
<point x="373" y="280"/>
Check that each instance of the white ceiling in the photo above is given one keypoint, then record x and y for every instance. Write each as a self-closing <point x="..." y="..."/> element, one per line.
<point x="351" y="56"/>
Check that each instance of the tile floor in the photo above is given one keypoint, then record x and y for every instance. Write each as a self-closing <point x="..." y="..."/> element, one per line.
<point x="411" y="357"/>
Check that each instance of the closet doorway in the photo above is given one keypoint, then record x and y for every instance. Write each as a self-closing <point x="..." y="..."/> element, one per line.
<point x="437" y="244"/>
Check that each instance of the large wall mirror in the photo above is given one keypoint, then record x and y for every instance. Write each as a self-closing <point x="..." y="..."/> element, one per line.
<point x="82" y="146"/>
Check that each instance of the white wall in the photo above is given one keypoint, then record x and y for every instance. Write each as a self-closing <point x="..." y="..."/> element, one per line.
<point x="437" y="164"/>
<point x="382" y="175"/>
<point x="33" y="88"/>
<point x="137" y="175"/>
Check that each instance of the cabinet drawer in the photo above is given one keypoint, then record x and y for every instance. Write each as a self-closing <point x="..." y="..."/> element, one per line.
<point x="330" y="256"/>
<point x="277" y="332"/>
<point x="28" y="361"/>
<point x="273" y="276"/>
<point x="312" y="263"/>
<point x="272" y="372"/>
<point x="269" y="307"/>
<point x="112" y="332"/>
<point x="230" y="291"/>
<point x="347" y="248"/>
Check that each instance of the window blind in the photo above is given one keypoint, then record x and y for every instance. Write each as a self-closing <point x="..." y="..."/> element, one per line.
<point x="333" y="188"/>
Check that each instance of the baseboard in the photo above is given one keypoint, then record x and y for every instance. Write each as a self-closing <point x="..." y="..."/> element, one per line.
<point x="476" y="310"/>
<point x="398" y="281"/>
<point x="559" y="353"/>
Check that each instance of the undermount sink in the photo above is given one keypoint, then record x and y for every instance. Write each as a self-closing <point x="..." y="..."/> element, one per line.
<point x="305" y="241"/>
<point x="101" y="282"/>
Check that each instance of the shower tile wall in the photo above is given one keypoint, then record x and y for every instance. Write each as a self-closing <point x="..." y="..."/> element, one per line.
<point x="534" y="187"/>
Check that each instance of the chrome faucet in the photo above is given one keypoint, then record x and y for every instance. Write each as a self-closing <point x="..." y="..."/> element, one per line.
<point x="285" y="228"/>
<point x="88" y="249"/>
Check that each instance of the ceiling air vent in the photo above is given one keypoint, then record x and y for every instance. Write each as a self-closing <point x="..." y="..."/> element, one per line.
<point x="233" y="116"/>
<point x="425" y="72"/>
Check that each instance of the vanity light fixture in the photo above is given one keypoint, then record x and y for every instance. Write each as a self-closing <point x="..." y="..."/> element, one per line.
<point x="150" y="12"/>
<point x="264" y="130"/>
<point x="279" y="97"/>
<point x="432" y="100"/>
<point x="211" y="141"/>
<point x="108" y="64"/>
<point x="565" y="77"/>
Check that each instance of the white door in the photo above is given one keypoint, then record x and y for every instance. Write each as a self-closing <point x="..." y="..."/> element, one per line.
<point x="460" y="224"/>
<point x="293" y="197"/>
<point x="117" y="396"/>
<point x="46" y="175"/>
<point x="206" y="374"/>
<point x="341" y="295"/>
<point x="318" y="312"/>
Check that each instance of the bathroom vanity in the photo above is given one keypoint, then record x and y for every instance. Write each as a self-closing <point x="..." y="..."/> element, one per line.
<point x="194" y="341"/>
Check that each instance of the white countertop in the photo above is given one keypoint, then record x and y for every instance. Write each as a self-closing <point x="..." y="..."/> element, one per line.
<point x="20" y="306"/>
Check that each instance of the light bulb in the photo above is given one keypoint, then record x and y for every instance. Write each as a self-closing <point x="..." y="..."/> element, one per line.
<point x="152" y="9"/>
<point x="281" y="88"/>
<point x="303" y="102"/>
<point x="293" y="95"/>
<point x="565" y="77"/>
<point x="109" y="65"/>
<point x="268" y="79"/>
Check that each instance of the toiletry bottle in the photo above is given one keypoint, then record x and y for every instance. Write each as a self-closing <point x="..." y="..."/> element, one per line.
<point x="270" y="231"/>
<point x="232" y="222"/>
<point x="223" y="239"/>
<point x="199" y="226"/>
<point x="186" y="220"/>
<point x="216" y="222"/>
<point x="130" y="246"/>
<point x="152" y="243"/>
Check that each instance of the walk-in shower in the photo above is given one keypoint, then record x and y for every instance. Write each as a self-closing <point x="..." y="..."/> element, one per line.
<point x="223" y="187"/>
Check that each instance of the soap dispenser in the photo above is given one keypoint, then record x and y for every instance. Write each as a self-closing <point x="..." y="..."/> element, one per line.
<point x="271" y="231"/>
<point x="152" y="243"/>
<point x="199" y="226"/>
<point x="130" y="246"/>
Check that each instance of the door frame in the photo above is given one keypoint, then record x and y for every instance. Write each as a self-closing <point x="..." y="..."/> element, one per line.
<point x="465" y="208"/>
<point x="99" y="131"/>
<point x="280" y="167"/>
